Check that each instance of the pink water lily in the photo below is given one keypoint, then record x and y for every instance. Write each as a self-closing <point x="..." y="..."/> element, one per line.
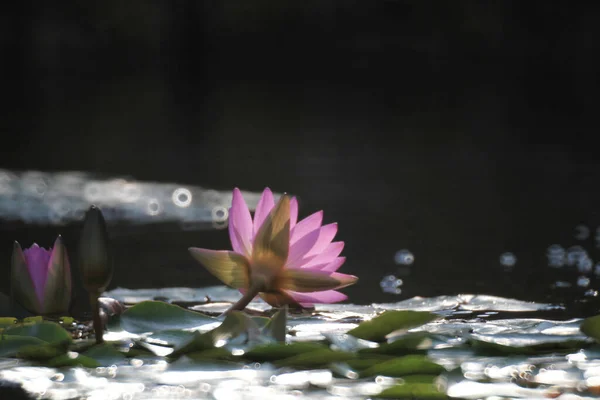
<point x="275" y="256"/>
<point x="41" y="278"/>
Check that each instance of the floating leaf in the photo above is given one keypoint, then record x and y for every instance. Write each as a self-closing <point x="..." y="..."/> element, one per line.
<point x="72" y="359"/>
<point x="314" y="359"/>
<point x="591" y="327"/>
<point x="406" y="365"/>
<point x="67" y="320"/>
<point x="6" y="322"/>
<point x="11" y="345"/>
<point x="261" y="322"/>
<point x="104" y="354"/>
<point x="408" y="343"/>
<point x="412" y="391"/>
<point x="170" y="337"/>
<point x="234" y="324"/>
<point x="279" y="351"/>
<point x="390" y="321"/>
<point x="345" y="342"/>
<point x="525" y="343"/>
<point x="365" y="362"/>
<point x="218" y="353"/>
<point x="49" y="332"/>
<point x="41" y="352"/>
<point x="33" y="320"/>
<point x="154" y="316"/>
<point x="277" y="325"/>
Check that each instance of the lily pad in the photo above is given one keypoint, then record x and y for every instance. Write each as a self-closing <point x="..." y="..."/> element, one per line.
<point x="409" y="343"/>
<point x="279" y="351"/>
<point x="41" y="352"/>
<point x="6" y="322"/>
<point x="364" y="362"/>
<point x="406" y="365"/>
<point x="49" y="332"/>
<point x="104" y="354"/>
<point x="171" y="337"/>
<point x="415" y="390"/>
<point x="234" y="324"/>
<point x="154" y="316"/>
<point x="277" y="325"/>
<point x="390" y="321"/>
<point x="526" y="343"/>
<point x="33" y="320"/>
<point x="219" y="353"/>
<point x="591" y="327"/>
<point x="314" y="359"/>
<point x="72" y="360"/>
<point x="11" y="345"/>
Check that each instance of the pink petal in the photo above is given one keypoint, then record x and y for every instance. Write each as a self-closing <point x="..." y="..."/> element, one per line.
<point x="293" y="212"/>
<point x="344" y="278"/>
<point x="326" y="256"/>
<point x="311" y="245"/>
<point x="326" y="235"/>
<point x="329" y="267"/>
<point x="263" y="208"/>
<point x="37" y="263"/>
<point x="327" y="296"/>
<point x="306" y="226"/>
<point x="240" y="225"/>
<point x="301" y="247"/>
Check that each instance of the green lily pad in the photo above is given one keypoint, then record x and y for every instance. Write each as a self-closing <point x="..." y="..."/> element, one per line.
<point x="412" y="391"/>
<point x="218" y="353"/>
<point x="365" y="362"/>
<point x="104" y="354"/>
<point x="42" y="352"/>
<point x="277" y="325"/>
<point x="591" y="327"/>
<point x="314" y="359"/>
<point x="6" y="322"/>
<point x="408" y="343"/>
<point x="170" y="337"/>
<point x="390" y="321"/>
<point x="154" y="316"/>
<point x="406" y="365"/>
<point x="261" y="322"/>
<point x="49" y="332"/>
<point x="279" y="351"/>
<point x="519" y="344"/>
<point x="33" y="320"/>
<point x="234" y="324"/>
<point x="72" y="360"/>
<point x="11" y="345"/>
<point x="67" y="320"/>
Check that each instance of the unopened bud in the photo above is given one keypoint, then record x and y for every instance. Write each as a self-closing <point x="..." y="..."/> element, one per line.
<point x="94" y="260"/>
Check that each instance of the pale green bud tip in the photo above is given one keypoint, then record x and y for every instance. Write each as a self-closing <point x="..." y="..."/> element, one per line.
<point x="94" y="260"/>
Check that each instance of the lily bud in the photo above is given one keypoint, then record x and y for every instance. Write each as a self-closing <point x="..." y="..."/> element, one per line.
<point x="41" y="279"/>
<point x="94" y="262"/>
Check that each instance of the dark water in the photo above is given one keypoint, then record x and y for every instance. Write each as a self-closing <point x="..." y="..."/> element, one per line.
<point x="456" y="131"/>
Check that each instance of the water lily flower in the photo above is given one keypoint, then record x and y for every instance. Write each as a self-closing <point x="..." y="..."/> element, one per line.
<point x="276" y="257"/>
<point x="41" y="279"/>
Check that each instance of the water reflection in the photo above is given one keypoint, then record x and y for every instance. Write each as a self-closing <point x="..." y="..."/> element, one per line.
<point x="391" y="284"/>
<point x="508" y="260"/>
<point x="42" y="198"/>
<point x="404" y="257"/>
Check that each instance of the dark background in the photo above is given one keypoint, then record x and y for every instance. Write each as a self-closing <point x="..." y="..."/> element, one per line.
<point x="458" y="130"/>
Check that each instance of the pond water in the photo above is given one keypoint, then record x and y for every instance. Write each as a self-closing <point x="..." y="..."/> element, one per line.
<point x="516" y="336"/>
<point x="487" y="346"/>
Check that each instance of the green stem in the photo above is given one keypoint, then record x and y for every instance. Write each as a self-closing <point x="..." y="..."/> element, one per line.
<point x="98" y="328"/>
<point x="245" y="300"/>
